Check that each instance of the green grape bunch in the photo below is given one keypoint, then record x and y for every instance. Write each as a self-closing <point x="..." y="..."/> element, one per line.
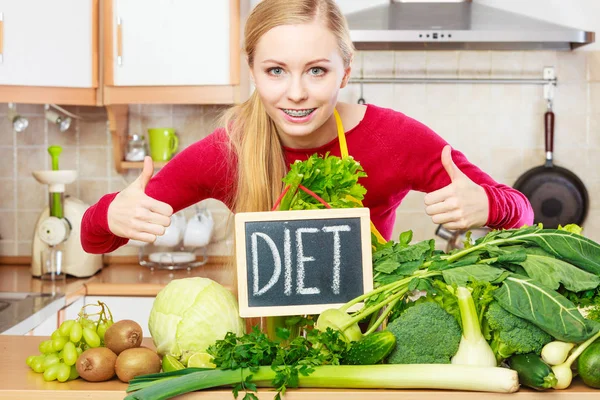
<point x="59" y="354"/>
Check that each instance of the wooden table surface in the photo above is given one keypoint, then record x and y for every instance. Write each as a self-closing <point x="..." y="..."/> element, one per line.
<point x="18" y="381"/>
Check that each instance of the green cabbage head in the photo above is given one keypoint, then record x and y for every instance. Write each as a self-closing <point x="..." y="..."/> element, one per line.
<point x="190" y="314"/>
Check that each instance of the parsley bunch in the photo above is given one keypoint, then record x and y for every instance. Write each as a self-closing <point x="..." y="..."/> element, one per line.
<point x="289" y="359"/>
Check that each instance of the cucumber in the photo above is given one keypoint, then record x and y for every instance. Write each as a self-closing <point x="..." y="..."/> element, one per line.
<point x="533" y="371"/>
<point x="370" y="349"/>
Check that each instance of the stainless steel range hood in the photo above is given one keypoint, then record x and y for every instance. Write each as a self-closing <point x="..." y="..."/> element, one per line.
<point x="410" y="25"/>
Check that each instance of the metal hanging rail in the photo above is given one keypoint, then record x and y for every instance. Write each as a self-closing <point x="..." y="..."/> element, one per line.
<point x="549" y="78"/>
<point x="455" y="80"/>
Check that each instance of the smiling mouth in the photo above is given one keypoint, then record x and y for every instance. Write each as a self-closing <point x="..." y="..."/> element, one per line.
<point x="298" y="113"/>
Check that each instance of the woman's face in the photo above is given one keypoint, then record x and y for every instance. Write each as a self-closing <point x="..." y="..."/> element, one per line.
<point x="298" y="71"/>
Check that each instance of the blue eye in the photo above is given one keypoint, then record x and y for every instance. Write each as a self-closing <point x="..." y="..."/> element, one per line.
<point x="317" y="71"/>
<point x="275" y="71"/>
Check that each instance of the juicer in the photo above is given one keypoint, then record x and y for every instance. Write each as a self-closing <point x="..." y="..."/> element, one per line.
<point x="56" y="234"/>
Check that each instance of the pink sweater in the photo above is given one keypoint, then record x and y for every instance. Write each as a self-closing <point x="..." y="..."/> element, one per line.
<point x="398" y="154"/>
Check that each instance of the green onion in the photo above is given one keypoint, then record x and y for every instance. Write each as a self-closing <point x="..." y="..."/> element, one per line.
<point x="381" y="376"/>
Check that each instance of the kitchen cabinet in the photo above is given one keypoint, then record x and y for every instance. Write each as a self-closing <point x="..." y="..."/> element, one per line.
<point x="176" y="52"/>
<point x="49" y="51"/>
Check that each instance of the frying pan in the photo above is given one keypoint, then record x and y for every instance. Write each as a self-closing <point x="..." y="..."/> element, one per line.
<point x="556" y="194"/>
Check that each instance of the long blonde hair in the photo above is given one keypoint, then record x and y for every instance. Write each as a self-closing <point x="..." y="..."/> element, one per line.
<point x="252" y="133"/>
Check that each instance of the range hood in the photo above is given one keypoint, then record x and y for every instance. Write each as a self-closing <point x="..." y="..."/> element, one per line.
<point x="455" y="25"/>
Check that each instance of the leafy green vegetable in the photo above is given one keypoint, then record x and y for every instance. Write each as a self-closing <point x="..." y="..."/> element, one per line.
<point x="545" y="308"/>
<point x="190" y="314"/>
<point x="331" y="178"/>
<point x="509" y="334"/>
<point x="479" y="272"/>
<point x="551" y="272"/>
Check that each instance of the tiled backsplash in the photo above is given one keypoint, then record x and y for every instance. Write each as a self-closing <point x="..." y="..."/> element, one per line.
<point x="498" y="126"/>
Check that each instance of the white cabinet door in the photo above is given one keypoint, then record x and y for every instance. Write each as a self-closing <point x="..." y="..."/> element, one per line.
<point x="171" y="42"/>
<point x="47" y="43"/>
<point x="134" y="308"/>
<point x="48" y="326"/>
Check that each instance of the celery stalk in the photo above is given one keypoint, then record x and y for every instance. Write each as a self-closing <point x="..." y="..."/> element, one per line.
<point x="381" y="376"/>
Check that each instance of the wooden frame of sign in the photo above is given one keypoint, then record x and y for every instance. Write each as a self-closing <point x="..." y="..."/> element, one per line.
<point x="302" y="262"/>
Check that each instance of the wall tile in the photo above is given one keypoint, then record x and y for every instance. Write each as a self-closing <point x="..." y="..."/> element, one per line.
<point x="30" y="109"/>
<point x="593" y="136"/>
<point x="212" y="119"/>
<point x="442" y="64"/>
<point x="441" y="99"/>
<point x="409" y="64"/>
<point x="593" y="66"/>
<point x="3" y="108"/>
<point x="381" y="94"/>
<point x="7" y="194"/>
<point x="93" y="162"/>
<point x="24" y="247"/>
<point x="378" y="64"/>
<point x="594" y="93"/>
<point x="189" y="128"/>
<point x="157" y="109"/>
<point x="351" y="93"/>
<point x="571" y="98"/>
<point x="571" y="66"/>
<point x="409" y="99"/>
<point x="31" y="195"/>
<point x="93" y="133"/>
<point x="357" y="65"/>
<point x="34" y="134"/>
<point x="31" y="159"/>
<point x="26" y="221"/>
<point x="474" y="64"/>
<point x="92" y="189"/>
<point x="7" y="135"/>
<point x="58" y="138"/>
<point x="8" y="248"/>
<point x="7" y="225"/>
<point x="7" y="167"/>
<point x="473" y="99"/>
<point x="507" y="64"/>
<point x="535" y="61"/>
<point x="570" y="132"/>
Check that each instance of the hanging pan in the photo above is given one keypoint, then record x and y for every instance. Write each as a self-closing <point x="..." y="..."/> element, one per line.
<point x="556" y="194"/>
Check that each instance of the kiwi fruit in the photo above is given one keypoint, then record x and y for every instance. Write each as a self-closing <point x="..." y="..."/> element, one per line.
<point x="123" y="335"/>
<point x="135" y="362"/>
<point x="97" y="364"/>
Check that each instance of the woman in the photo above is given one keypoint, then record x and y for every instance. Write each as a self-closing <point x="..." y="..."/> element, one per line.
<point x="299" y="53"/>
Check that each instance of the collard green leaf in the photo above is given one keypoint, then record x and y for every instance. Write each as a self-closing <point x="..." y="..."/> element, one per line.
<point x="571" y="247"/>
<point x="551" y="272"/>
<point x="543" y="307"/>
<point x="469" y="273"/>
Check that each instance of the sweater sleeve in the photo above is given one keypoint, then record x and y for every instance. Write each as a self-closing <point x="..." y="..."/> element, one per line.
<point x="200" y="171"/>
<point x="421" y="150"/>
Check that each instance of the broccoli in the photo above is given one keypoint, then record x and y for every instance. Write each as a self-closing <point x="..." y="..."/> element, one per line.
<point x="510" y="334"/>
<point x="425" y="334"/>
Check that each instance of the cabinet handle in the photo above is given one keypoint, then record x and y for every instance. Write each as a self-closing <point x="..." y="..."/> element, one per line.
<point x="1" y="38"/>
<point x="119" y="42"/>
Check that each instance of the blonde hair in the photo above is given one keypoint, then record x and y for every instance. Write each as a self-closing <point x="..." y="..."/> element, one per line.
<point x="252" y="133"/>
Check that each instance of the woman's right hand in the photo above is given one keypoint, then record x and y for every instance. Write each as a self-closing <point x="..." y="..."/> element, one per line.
<point x="134" y="215"/>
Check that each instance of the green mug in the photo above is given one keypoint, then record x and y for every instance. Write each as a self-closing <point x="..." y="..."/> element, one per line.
<point x="163" y="143"/>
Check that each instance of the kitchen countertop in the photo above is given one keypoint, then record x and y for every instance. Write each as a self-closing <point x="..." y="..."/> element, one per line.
<point x="18" y="381"/>
<point x="113" y="280"/>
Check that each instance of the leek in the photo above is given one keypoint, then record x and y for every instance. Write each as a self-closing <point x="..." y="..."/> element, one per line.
<point x="381" y="376"/>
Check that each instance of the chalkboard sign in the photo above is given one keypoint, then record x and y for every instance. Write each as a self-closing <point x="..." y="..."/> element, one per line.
<point x="302" y="262"/>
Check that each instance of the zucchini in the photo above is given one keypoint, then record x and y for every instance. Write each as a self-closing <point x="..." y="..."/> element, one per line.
<point x="370" y="349"/>
<point x="533" y="371"/>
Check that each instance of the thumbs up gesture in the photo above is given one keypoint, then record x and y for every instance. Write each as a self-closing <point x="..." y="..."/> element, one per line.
<point x="462" y="204"/>
<point x="135" y="215"/>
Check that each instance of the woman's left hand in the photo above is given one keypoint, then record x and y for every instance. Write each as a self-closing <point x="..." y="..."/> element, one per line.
<point x="462" y="204"/>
